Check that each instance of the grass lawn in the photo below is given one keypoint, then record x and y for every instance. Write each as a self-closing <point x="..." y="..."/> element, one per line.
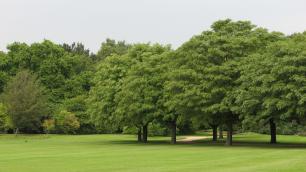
<point x="104" y="153"/>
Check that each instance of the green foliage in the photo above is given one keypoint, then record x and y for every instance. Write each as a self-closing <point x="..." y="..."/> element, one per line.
<point x="142" y="87"/>
<point x="63" y="73"/>
<point x="154" y="129"/>
<point x="25" y="101"/>
<point x="66" y="122"/>
<point x="4" y="75"/>
<point x="107" y="83"/>
<point x="233" y="72"/>
<point x="4" y="119"/>
<point x="111" y="47"/>
<point x="49" y="125"/>
<point x="77" y="105"/>
<point x="272" y="82"/>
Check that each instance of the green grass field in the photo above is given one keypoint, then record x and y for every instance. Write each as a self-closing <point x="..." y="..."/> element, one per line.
<point x="104" y="153"/>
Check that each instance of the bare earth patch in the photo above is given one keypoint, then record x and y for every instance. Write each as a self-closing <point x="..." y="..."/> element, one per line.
<point x="189" y="139"/>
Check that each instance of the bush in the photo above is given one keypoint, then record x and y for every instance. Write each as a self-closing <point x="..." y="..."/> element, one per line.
<point x="77" y="106"/>
<point x="49" y="125"/>
<point x="66" y="122"/>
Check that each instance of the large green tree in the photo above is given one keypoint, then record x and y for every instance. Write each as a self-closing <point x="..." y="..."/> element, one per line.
<point x="107" y="82"/>
<point x="26" y="102"/>
<point x="273" y="83"/>
<point x="213" y="59"/>
<point x="142" y="88"/>
<point x="117" y="98"/>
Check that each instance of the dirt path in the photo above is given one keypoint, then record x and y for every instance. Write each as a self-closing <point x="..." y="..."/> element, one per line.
<point x="192" y="138"/>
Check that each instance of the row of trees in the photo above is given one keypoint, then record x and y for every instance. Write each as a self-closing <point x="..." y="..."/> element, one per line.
<point x="233" y="75"/>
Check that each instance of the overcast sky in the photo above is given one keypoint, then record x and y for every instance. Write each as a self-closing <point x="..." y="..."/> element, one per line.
<point x="163" y="21"/>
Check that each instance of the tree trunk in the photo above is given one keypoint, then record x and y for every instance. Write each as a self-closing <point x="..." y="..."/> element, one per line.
<point x="145" y="133"/>
<point x="272" y="131"/>
<point x="16" y="131"/>
<point x="173" y="132"/>
<point x="220" y="132"/>
<point x="229" y="138"/>
<point x="139" y="135"/>
<point x="215" y="132"/>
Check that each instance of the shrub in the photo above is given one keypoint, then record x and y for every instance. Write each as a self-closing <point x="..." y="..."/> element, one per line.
<point x="66" y="122"/>
<point x="49" y="125"/>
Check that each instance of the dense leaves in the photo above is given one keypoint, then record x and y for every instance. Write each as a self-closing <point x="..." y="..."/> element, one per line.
<point x="233" y="76"/>
<point x="26" y="102"/>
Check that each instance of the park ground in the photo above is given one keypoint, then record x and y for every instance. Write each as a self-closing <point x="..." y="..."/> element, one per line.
<point x="107" y="153"/>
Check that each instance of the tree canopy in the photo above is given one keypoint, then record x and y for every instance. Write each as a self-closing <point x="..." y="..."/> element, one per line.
<point x="230" y="77"/>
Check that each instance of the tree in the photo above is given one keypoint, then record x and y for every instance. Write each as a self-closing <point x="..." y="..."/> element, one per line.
<point x="56" y="67"/>
<point x="142" y="89"/>
<point x="26" y="102"/>
<point x="76" y="48"/>
<point x="107" y="82"/>
<point x="180" y="97"/>
<point x="272" y="83"/>
<point x="115" y="82"/>
<point x="110" y="47"/>
<point x="213" y="58"/>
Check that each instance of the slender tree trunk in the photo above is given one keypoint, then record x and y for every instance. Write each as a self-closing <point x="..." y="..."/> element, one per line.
<point x="272" y="131"/>
<point x="145" y="133"/>
<point x="173" y="132"/>
<point x="215" y="132"/>
<point x="16" y="131"/>
<point x="229" y="138"/>
<point x="139" y="135"/>
<point x="220" y="132"/>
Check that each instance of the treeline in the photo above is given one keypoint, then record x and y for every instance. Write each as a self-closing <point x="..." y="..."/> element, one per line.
<point x="234" y="76"/>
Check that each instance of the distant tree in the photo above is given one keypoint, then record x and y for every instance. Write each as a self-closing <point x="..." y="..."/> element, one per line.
<point x="26" y="102"/>
<point x="63" y="71"/>
<point x="76" y="48"/>
<point x="4" y="70"/>
<point x="110" y="47"/>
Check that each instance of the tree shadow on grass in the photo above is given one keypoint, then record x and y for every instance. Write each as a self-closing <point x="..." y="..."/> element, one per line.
<point x="220" y="143"/>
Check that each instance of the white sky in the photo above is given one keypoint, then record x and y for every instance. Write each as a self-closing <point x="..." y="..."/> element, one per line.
<point x="164" y="21"/>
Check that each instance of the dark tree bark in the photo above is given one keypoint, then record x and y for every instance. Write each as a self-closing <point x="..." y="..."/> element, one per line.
<point x="145" y="133"/>
<point x="215" y="132"/>
<point x="173" y="132"/>
<point x="139" y="135"/>
<point x="272" y="131"/>
<point x="220" y="132"/>
<point x="229" y="138"/>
